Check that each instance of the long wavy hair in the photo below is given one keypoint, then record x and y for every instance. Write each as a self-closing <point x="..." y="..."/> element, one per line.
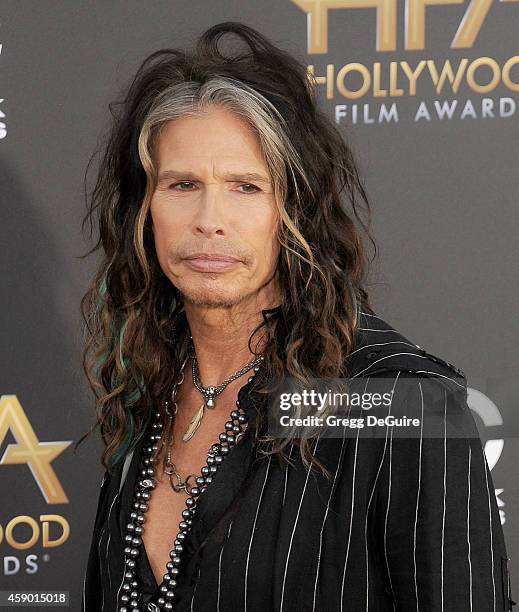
<point x="135" y="324"/>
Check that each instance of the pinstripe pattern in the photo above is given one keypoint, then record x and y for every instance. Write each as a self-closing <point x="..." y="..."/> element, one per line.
<point x="286" y="473"/>
<point x="491" y="542"/>
<point x="192" y="607"/>
<point x="387" y="513"/>
<point x="324" y="522"/>
<point x="444" y="490"/>
<point x="252" y="534"/>
<point x="292" y="536"/>
<point x="468" y="530"/>
<point x="403" y="524"/>
<point x="350" y="521"/>
<point x="220" y="570"/>
<point x="417" y="498"/>
<point x="394" y="386"/>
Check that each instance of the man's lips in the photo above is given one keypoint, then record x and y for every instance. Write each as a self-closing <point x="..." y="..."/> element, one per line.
<point x="211" y="256"/>
<point x="210" y="262"/>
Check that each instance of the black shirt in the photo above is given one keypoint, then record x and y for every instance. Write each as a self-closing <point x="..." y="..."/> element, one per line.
<point x="405" y="524"/>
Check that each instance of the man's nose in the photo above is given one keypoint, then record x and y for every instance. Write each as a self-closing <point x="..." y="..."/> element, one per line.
<point x="210" y="212"/>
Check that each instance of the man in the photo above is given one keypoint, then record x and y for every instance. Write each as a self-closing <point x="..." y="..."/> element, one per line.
<point x="228" y="252"/>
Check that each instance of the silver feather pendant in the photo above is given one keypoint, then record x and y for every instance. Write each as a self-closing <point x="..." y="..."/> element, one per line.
<point x="195" y="423"/>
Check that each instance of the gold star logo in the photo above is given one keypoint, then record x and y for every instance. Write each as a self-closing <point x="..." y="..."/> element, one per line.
<point x="28" y="449"/>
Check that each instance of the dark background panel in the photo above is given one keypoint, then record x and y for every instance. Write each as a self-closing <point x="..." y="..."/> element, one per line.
<point x="444" y="197"/>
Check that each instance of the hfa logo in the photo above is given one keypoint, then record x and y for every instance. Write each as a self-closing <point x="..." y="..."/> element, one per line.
<point x="386" y="18"/>
<point x="489" y="413"/>
<point x="28" y="449"/>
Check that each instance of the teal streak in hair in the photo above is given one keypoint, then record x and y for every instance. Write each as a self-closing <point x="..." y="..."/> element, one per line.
<point x="125" y="444"/>
<point x="132" y="397"/>
<point x="102" y="287"/>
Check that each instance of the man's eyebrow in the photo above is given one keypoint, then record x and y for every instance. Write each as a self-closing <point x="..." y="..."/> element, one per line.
<point x="168" y="175"/>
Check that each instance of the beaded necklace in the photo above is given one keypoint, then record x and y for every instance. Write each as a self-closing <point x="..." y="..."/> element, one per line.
<point x="129" y="598"/>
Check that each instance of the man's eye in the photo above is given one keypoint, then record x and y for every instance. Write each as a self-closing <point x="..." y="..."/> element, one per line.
<point x="250" y="185"/>
<point x="182" y="183"/>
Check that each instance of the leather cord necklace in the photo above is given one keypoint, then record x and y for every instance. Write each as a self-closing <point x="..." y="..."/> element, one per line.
<point x="211" y="392"/>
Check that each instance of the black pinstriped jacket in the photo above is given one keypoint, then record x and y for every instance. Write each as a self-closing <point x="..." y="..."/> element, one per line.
<point x="404" y="524"/>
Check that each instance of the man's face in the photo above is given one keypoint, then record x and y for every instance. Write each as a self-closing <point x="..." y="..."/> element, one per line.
<point x="208" y="202"/>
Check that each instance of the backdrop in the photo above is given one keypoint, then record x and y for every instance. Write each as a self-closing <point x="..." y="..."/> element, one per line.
<point x="425" y="91"/>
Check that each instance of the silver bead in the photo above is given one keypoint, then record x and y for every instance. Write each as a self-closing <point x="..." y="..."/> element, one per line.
<point x="148" y="483"/>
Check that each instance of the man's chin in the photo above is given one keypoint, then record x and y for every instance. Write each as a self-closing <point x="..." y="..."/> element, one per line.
<point x="211" y="298"/>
